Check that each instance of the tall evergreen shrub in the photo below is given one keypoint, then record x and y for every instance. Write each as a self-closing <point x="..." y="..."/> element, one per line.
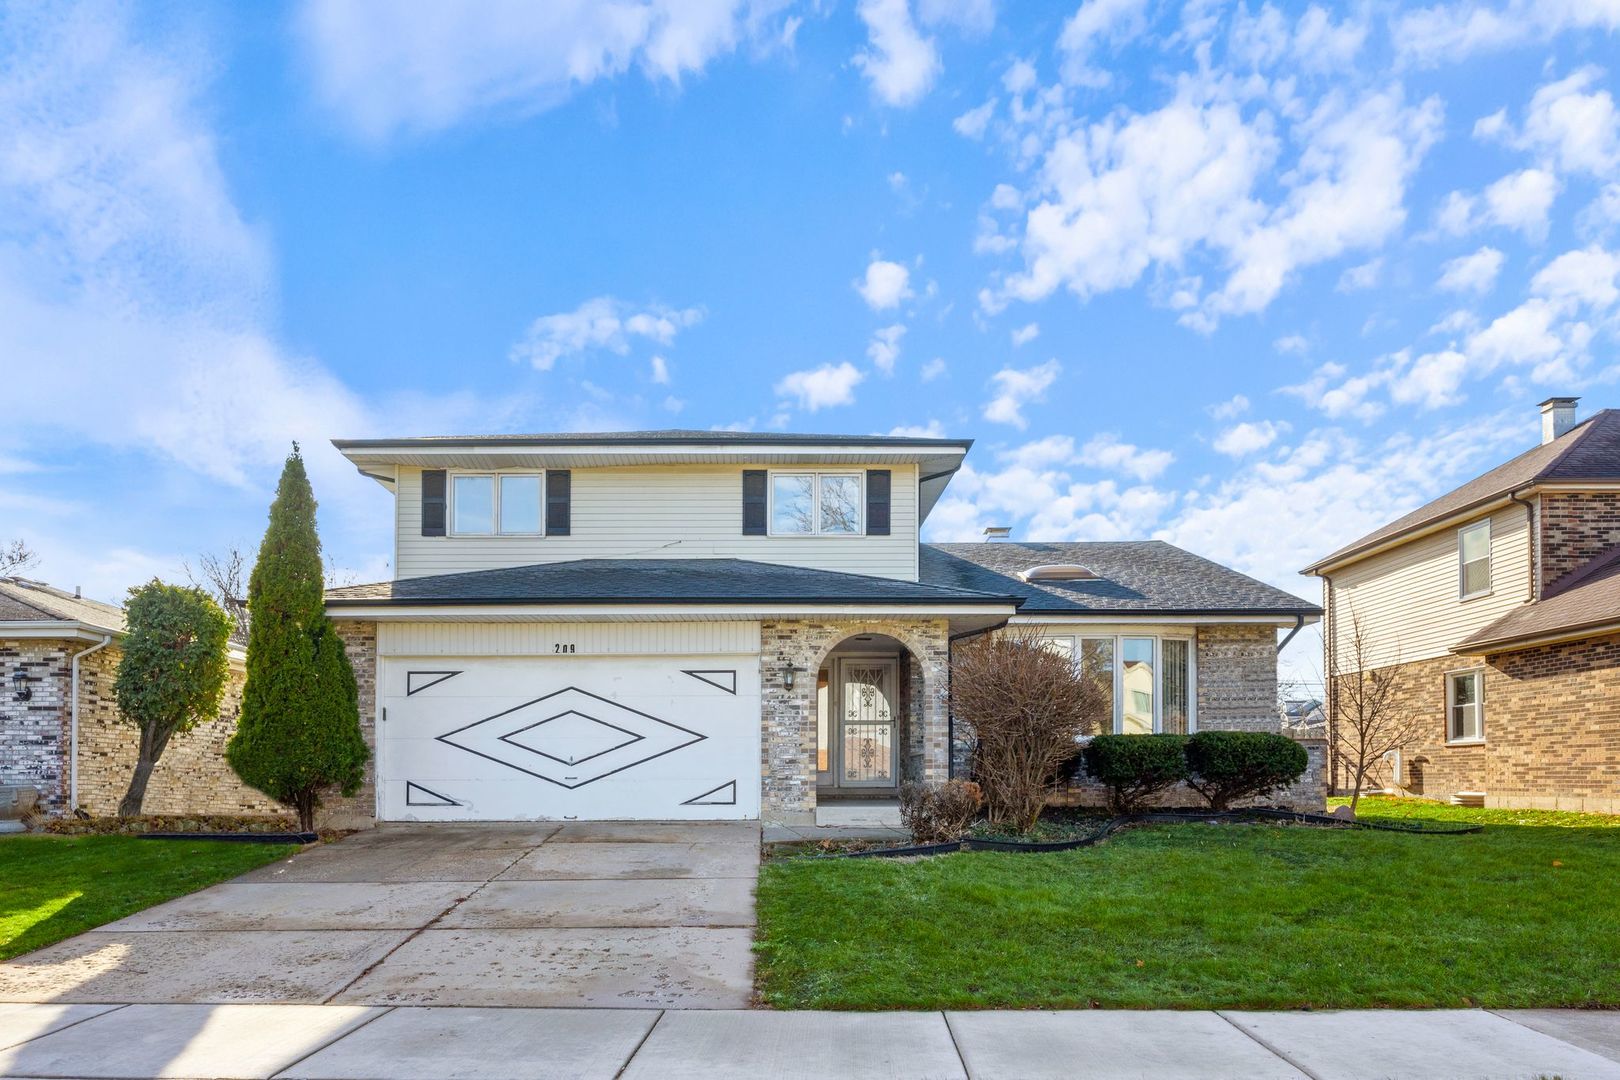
<point x="299" y="734"/>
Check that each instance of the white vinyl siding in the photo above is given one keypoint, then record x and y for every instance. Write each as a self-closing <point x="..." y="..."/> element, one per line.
<point x="1407" y="598"/>
<point x="649" y="512"/>
<point x="587" y="639"/>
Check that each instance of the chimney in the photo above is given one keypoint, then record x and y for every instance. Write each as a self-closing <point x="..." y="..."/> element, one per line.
<point x="997" y="532"/>
<point x="78" y="593"/>
<point x="1557" y="417"/>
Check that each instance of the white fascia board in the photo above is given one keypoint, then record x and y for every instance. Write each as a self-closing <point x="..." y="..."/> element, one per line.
<point x="57" y="629"/>
<point x="1157" y="619"/>
<point x="663" y="612"/>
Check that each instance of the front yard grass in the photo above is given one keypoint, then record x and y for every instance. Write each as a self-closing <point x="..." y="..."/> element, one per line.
<point x="52" y="887"/>
<point x="1212" y="916"/>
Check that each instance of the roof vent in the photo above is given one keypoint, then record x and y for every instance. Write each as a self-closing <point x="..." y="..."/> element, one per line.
<point x="1557" y="417"/>
<point x="1058" y="572"/>
<point x="997" y="532"/>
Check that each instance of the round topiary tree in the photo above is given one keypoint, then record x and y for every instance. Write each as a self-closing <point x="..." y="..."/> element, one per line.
<point x="172" y="674"/>
<point x="299" y="734"/>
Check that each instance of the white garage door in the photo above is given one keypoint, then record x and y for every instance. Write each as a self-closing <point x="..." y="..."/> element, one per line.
<point x="586" y="738"/>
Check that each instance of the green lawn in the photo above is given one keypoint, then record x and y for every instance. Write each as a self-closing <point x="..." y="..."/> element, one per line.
<point x="1212" y="916"/>
<point x="52" y="887"/>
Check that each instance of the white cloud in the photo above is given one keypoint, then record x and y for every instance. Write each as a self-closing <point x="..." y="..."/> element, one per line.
<point x="1109" y="452"/>
<point x="1315" y="43"/>
<point x="598" y="324"/>
<point x="900" y="62"/>
<point x="971" y="16"/>
<point x="1362" y="277"/>
<point x="822" y="387"/>
<point x="1097" y="22"/>
<point x="885" y="285"/>
<point x="1015" y="388"/>
<point x="884" y="349"/>
<point x="1432" y="381"/>
<point x="389" y="69"/>
<point x="1231" y="408"/>
<point x="1450" y="32"/>
<point x="1522" y="201"/>
<point x="660" y="371"/>
<point x="1474" y="273"/>
<point x="1578" y="132"/>
<point x="933" y="369"/>
<point x="931" y="430"/>
<point x="1025" y="334"/>
<point x="1292" y="345"/>
<point x="1135" y="191"/>
<point x="972" y="124"/>
<point x="1246" y="438"/>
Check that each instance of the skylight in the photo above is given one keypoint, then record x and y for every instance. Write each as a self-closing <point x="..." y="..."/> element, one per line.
<point x="1057" y="572"/>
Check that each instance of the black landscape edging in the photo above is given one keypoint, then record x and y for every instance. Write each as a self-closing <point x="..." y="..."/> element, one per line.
<point x="1114" y="824"/>
<point x="238" y="837"/>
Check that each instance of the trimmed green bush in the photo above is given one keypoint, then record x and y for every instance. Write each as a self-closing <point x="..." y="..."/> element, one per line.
<point x="300" y="729"/>
<point x="172" y="675"/>
<point x="1136" y="767"/>
<point x="1230" y="765"/>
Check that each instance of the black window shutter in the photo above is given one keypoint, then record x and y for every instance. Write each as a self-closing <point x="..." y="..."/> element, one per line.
<point x="433" y="502"/>
<point x="753" y="502"/>
<point x="559" y="486"/>
<point x="877" y="502"/>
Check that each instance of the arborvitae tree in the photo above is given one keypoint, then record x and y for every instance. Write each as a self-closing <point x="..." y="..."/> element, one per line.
<point x="172" y="674"/>
<point x="300" y="729"/>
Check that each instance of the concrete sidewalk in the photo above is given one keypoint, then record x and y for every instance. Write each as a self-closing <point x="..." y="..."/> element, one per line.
<point x="339" y="1041"/>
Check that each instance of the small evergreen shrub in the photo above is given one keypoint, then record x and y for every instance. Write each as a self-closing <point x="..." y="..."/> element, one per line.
<point x="1226" y="766"/>
<point x="1135" y="768"/>
<point x="939" y="813"/>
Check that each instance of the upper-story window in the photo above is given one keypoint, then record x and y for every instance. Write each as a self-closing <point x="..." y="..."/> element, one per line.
<point x="811" y="504"/>
<point x="1474" y="560"/>
<point x="495" y="504"/>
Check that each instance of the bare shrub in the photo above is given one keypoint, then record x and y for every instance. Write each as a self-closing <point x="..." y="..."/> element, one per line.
<point x="1367" y="720"/>
<point x="1025" y="706"/>
<point x="939" y="813"/>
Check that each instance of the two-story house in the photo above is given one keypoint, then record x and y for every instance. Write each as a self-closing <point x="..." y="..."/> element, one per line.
<point x="695" y="624"/>
<point x="1495" y="609"/>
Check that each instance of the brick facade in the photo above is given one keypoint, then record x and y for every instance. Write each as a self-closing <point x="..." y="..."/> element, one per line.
<point x="1237" y="678"/>
<point x="788" y="759"/>
<point x="1552" y="728"/>
<point x="1576" y="527"/>
<point x="35" y="740"/>
<point x="192" y="777"/>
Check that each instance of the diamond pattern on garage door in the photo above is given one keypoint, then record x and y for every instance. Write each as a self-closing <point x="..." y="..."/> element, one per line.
<point x="571" y="738"/>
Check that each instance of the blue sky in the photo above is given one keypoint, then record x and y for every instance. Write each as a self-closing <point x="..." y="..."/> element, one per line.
<point x="1252" y="279"/>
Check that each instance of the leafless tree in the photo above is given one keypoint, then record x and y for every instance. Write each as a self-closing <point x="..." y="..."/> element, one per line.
<point x="1368" y="719"/>
<point x="224" y="577"/>
<point x="16" y="555"/>
<point x="1025" y="705"/>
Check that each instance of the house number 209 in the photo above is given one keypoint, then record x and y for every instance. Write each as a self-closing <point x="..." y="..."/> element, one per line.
<point x="564" y="647"/>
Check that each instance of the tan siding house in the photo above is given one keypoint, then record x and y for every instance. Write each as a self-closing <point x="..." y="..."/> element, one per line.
<point x="1494" y="611"/>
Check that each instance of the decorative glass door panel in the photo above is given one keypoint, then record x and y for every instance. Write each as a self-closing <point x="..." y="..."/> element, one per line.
<point x="867" y="726"/>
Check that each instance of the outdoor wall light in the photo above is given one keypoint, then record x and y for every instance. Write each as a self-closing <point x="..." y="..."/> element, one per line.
<point x="787" y="678"/>
<point x="20" y="681"/>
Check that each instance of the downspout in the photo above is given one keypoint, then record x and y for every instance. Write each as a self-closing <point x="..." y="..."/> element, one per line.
<point x="73" y="729"/>
<point x="950" y="714"/>
<point x="1330" y="685"/>
<point x="1299" y="624"/>
<point x="1534" y="541"/>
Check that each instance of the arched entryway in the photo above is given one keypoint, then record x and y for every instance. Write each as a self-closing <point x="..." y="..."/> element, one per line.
<point x="865" y="719"/>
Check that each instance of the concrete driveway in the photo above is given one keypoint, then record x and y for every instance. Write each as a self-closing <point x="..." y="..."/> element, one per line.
<point x="610" y="914"/>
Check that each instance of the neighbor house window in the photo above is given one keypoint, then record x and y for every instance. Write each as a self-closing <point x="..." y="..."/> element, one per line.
<point x="489" y="504"/>
<point x="1474" y="559"/>
<point x="811" y="504"/>
<point x="1136" y="678"/>
<point x="1465" y="706"/>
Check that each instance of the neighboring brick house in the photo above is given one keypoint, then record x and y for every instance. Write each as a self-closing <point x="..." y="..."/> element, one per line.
<point x="1496" y="608"/>
<point x="59" y="727"/>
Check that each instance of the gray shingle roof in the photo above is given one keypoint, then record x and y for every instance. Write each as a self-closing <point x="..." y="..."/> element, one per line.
<point x="22" y="600"/>
<point x="658" y="581"/>
<point x="1134" y="576"/>
<point x="668" y="436"/>
<point x="1589" y="597"/>
<point x="1588" y="451"/>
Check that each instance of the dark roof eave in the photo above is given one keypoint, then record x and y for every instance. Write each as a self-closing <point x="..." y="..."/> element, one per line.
<point x="695" y="601"/>
<point x="586" y="439"/>
<point x="1306" y="610"/>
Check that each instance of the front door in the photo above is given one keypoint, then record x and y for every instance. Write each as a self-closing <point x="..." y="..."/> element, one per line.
<point x="867" y="750"/>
